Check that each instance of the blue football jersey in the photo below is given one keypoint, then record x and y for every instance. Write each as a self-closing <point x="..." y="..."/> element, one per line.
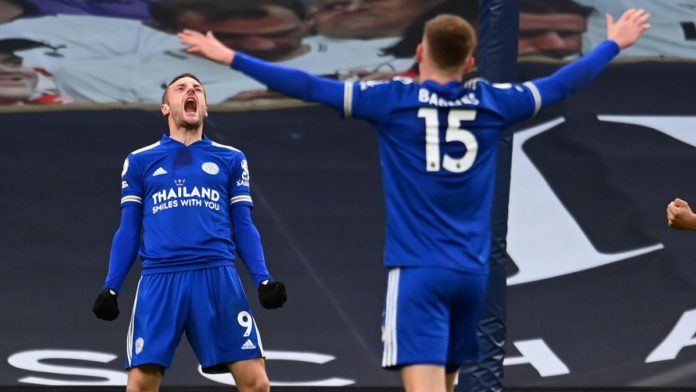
<point x="187" y="194"/>
<point x="438" y="146"/>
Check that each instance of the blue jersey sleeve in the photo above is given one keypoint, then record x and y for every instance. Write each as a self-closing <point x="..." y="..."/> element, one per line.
<point x="369" y="100"/>
<point x="132" y="189"/>
<point x="240" y="182"/>
<point x="124" y="247"/>
<point x="521" y="101"/>
<point x="514" y="101"/>
<point x="291" y="82"/>
<point x="248" y="241"/>
<point x="576" y="75"/>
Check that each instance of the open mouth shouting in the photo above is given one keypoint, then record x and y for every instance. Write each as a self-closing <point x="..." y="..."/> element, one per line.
<point x="190" y="106"/>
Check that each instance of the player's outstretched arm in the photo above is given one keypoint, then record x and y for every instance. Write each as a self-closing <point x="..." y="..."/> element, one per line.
<point x="124" y="250"/>
<point x="291" y="82"/>
<point x="206" y="45"/>
<point x="248" y="241"/>
<point x="629" y="28"/>
<point x="680" y="216"/>
<point x="576" y="75"/>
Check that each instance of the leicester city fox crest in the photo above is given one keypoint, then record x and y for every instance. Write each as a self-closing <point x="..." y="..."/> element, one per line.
<point x="210" y="168"/>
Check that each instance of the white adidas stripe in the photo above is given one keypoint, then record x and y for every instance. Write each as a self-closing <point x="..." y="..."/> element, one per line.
<point x="348" y="99"/>
<point x="150" y="147"/>
<point x="131" y="327"/>
<point x="258" y="336"/>
<point x="537" y="96"/>
<point x="216" y="144"/>
<point x="389" y="356"/>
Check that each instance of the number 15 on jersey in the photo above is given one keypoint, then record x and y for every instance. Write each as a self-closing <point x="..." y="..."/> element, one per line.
<point x="433" y="159"/>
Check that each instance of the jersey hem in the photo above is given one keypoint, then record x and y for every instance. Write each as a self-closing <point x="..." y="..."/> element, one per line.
<point x="472" y="271"/>
<point x="398" y="366"/>
<point x="188" y="266"/>
<point x="219" y="367"/>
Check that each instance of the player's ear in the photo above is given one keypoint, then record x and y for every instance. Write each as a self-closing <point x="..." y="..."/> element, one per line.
<point x="469" y="64"/>
<point x="165" y="109"/>
<point x="419" y="52"/>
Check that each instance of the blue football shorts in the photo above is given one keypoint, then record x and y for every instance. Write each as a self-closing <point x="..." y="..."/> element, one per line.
<point x="208" y="304"/>
<point x="431" y="317"/>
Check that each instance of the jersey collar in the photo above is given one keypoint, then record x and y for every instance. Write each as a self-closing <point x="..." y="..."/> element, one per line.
<point x="166" y="139"/>
<point x="437" y="86"/>
<point x="448" y="90"/>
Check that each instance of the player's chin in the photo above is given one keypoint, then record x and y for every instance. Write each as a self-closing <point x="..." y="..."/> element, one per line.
<point x="191" y="115"/>
<point x="192" y="119"/>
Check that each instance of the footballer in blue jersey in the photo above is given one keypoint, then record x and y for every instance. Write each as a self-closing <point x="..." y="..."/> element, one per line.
<point x="190" y="197"/>
<point x="438" y="141"/>
<point x="438" y="153"/>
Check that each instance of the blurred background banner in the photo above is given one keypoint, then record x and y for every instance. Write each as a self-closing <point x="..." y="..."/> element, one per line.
<point x="60" y="51"/>
<point x="600" y="291"/>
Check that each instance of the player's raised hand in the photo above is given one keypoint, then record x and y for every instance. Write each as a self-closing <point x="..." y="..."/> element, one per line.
<point x="628" y="28"/>
<point x="106" y="305"/>
<point x="680" y="216"/>
<point x="272" y="294"/>
<point x="206" y="45"/>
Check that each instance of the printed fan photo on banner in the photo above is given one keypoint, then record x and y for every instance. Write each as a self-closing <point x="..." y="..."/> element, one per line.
<point x="83" y="46"/>
<point x="460" y="195"/>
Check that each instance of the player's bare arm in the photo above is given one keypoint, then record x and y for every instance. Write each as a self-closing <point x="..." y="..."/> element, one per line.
<point x="630" y="26"/>
<point x="680" y="216"/>
<point x="206" y="45"/>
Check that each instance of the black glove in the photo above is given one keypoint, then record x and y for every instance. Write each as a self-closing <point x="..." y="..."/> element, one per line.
<point x="106" y="305"/>
<point x="272" y="294"/>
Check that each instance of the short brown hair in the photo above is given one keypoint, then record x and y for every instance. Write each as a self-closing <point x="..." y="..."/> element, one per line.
<point x="183" y="75"/>
<point x="451" y="40"/>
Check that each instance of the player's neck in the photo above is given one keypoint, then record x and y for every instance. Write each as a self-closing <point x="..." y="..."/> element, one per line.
<point x="428" y="72"/>
<point x="439" y="78"/>
<point x="186" y="136"/>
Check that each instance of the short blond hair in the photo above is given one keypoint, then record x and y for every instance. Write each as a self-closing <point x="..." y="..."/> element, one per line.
<point x="450" y="39"/>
